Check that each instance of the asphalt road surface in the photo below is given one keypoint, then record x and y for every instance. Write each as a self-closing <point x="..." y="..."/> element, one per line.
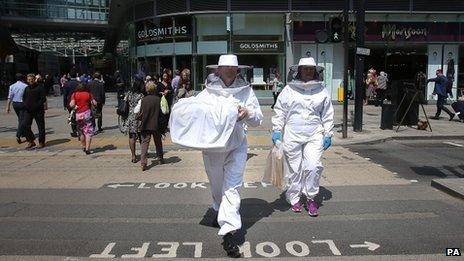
<point x="421" y="160"/>
<point x="172" y="220"/>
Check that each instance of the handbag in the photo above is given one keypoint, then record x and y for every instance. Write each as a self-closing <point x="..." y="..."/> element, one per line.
<point x="123" y="109"/>
<point x="96" y="113"/>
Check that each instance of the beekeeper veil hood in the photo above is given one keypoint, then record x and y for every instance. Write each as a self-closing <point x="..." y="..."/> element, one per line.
<point x="227" y="76"/>
<point x="306" y="74"/>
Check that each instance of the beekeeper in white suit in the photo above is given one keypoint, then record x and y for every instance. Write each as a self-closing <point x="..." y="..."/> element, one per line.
<point x="215" y="122"/>
<point x="304" y="116"/>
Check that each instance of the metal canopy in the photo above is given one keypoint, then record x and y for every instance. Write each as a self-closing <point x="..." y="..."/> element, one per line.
<point x="76" y="44"/>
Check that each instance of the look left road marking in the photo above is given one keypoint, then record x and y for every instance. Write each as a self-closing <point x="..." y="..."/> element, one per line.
<point x="453" y="144"/>
<point x="179" y="185"/>
<point x="263" y="249"/>
<point x="106" y="252"/>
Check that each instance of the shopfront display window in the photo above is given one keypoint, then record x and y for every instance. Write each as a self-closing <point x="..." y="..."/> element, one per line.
<point x="258" y="41"/>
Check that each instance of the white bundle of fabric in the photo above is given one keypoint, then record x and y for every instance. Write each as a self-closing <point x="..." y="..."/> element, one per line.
<point x="208" y="121"/>
<point x="202" y="123"/>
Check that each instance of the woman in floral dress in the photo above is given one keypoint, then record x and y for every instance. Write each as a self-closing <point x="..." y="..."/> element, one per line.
<point x="131" y="124"/>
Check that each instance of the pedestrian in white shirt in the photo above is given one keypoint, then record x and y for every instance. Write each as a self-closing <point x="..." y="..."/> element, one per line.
<point x="15" y="97"/>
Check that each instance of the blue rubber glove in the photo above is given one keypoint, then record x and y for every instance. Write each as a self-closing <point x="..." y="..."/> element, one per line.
<point x="327" y="142"/>
<point x="276" y="135"/>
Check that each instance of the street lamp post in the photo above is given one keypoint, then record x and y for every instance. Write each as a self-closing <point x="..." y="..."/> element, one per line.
<point x="359" y="91"/>
<point x="345" y="70"/>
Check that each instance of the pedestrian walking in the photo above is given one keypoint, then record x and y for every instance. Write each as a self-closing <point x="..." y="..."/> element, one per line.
<point x="149" y="114"/>
<point x="303" y="122"/>
<point x="15" y="98"/>
<point x="175" y="81"/>
<point x="56" y="85"/>
<point x="68" y="89"/>
<point x="97" y="89"/>
<point x="371" y="86"/>
<point x="442" y="95"/>
<point x="382" y="81"/>
<point x="276" y="88"/>
<point x="216" y="121"/>
<point x="131" y="125"/>
<point x="120" y="86"/>
<point x="81" y="101"/>
<point x="164" y="89"/>
<point x="35" y="99"/>
<point x="184" y="89"/>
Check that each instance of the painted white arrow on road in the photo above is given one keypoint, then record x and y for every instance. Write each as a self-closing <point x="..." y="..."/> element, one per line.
<point x="120" y="185"/>
<point x="369" y="245"/>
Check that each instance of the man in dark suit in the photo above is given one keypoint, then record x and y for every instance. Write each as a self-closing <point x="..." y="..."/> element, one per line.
<point x="440" y="91"/>
<point x="68" y="90"/>
<point x="97" y="88"/>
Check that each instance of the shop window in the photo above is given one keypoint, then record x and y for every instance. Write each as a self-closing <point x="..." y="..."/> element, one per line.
<point x="211" y="27"/>
<point x="258" y="24"/>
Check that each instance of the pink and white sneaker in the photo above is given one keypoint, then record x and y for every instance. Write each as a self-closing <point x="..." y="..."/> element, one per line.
<point x="313" y="209"/>
<point x="297" y="207"/>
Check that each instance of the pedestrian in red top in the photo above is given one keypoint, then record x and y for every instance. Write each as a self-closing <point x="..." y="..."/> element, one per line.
<point x="81" y="101"/>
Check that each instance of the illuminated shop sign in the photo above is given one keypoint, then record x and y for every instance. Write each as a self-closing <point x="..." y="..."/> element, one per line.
<point x="163" y="31"/>
<point x="388" y="31"/>
<point x="393" y="32"/>
<point x="258" y="47"/>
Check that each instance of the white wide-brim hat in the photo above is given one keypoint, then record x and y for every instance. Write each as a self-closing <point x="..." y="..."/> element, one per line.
<point x="307" y="61"/>
<point x="227" y="60"/>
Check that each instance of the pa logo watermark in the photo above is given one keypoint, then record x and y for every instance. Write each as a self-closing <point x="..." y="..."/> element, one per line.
<point x="453" y="252"/>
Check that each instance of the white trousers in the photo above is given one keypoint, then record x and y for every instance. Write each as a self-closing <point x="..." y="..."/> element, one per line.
<point x="225" y="173"/>
<point x="303" y="167"/>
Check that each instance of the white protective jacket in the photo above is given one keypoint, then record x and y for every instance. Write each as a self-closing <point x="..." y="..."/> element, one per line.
<point x="303" y="109"/>
<point x="208" y="121"/>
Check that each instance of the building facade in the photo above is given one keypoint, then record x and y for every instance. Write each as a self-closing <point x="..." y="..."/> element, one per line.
<point x="405" y="37"/>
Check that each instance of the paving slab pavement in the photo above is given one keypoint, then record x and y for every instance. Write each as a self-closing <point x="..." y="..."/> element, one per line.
<point x="454" y="187"/>
<point x="72" y="169"/>
<point x="62" y="163"/>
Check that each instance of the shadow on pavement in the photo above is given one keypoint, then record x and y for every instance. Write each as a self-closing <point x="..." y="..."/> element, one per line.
<point x="48" y="131"/>
<point x="428" y="171"/>
<point x="170" y="160"/>
<point x="251" y="155"/>
<point x="104" y="148"/>
<point x="7" y="129"/>
<point x="56" y="142"/>
<point x="52" y="116"/>
<point x="111" y="127"/>
<point x="324" y="195"/>
<point x="454" y="171"/>
<point x="253" y="210"/>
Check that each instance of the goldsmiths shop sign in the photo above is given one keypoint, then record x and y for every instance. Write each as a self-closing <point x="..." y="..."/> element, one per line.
<point x="163" y="30"/>
<point x="258" y="47"/>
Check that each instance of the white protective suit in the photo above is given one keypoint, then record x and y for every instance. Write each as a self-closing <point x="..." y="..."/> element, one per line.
<point x="224" y="145"/>
<point x="225" y="169"/>
<point x="304" y="115"/>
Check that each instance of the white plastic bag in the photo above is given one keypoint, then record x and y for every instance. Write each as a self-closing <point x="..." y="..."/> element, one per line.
<point x="138" y="106"/>
<point x="274" y="172"/>
<point x="164" y="105"/>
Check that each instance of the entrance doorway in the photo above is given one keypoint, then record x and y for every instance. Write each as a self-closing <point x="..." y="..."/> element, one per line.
<point x="400" y="63"/>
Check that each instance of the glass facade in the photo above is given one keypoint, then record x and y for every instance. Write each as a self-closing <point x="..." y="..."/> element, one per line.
<point x="57" y="9"/>
<point x="258" y="40"/>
